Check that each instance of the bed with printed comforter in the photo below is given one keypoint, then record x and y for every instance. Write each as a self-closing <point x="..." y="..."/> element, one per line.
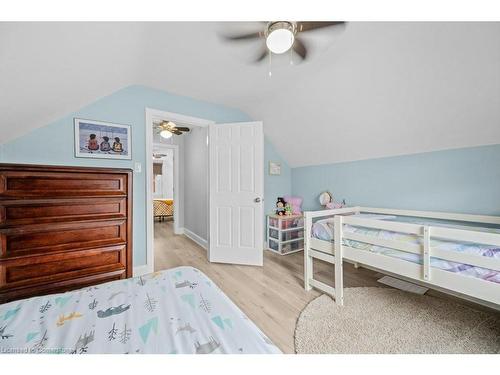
<point x="323" y="230"/>
<point x="174" y="311"/>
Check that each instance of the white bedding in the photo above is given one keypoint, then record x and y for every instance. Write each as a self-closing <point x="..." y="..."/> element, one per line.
<point x="175" y="311"/>
<point x="323" y="230"/>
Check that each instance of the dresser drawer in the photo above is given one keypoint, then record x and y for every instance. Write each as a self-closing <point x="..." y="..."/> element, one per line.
<point x="44" y="239"/>
<point x="12" y="293"/>
<point x="22" y="212"/>
<point x="56" y="267"/>
<point x="22" y="184"/>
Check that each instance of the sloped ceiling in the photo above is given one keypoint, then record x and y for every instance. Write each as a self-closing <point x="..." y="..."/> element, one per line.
<point x="373" y="90"/>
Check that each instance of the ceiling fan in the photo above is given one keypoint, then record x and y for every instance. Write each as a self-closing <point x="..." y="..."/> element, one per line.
<point x="281" y="36"/>
<point x="159" y="156"/>
<point x="167" y="128"/>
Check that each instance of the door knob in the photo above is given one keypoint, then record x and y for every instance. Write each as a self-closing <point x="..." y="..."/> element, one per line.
<point x="256" y="200"/>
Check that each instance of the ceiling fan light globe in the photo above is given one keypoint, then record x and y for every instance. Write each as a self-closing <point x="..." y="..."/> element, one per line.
<point x="165" y="134"/>
<point x="280" y="40"/>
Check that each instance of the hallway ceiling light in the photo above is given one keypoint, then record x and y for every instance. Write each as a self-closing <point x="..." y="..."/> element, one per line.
<point x="165" y="134"/>
<point x="167" y="128"/>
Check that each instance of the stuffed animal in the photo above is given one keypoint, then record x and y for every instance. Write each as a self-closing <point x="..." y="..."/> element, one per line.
<point x="280" y="206"/>
<point x="288" y="209"/>
<point x="295" y="203"/>
<point x="326" y="199"/>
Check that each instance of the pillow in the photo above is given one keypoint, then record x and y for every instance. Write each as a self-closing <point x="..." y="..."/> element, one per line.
<point x="295" y="202"/>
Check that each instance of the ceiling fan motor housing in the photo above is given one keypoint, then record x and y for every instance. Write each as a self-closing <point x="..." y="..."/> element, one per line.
<point x="277" y="25"/>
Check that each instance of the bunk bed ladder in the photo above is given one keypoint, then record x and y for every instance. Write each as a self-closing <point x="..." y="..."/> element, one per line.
<point x="337" y="292"/>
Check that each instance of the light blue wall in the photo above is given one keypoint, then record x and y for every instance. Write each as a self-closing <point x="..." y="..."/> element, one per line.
<point x="275" y="186"/>
<point x="53" y="143"/>
<point x="463" y="180"/>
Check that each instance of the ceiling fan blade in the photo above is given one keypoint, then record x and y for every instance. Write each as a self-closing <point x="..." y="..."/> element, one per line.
<point x="308" y="26"/>
<point x="175" y="132"/>
<point x="262" y="55"/>
<point x="182" y="129"/>
<point x="300" y="48"/>
<point x="244" y="36"/>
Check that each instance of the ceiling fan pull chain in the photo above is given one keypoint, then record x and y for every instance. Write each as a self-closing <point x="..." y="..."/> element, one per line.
<point x="270" y="64"/>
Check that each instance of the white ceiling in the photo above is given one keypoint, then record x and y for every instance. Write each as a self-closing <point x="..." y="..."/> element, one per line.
<point x="373" y="90"/>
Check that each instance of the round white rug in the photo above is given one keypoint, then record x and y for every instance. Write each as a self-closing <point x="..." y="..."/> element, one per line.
<point x="386" y="320"/>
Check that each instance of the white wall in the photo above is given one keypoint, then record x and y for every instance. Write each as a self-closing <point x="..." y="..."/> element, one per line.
<point x="195" y="154"/>
<point x="168" y="175"/>
<point x="166" y="190"/>
<point x="192" y="202"/>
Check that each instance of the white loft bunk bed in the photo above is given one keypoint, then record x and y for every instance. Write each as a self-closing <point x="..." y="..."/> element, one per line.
<point x="341" y="249"/>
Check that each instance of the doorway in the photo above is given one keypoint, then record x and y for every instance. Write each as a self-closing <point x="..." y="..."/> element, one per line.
<point x="166" y="203"/>
<point x="220" y="191"/>
<point x="165" y="184"/>
<point x="177" y="165"/>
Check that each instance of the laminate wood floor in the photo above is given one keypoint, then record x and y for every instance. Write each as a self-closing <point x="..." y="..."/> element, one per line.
<point x="273" y="295"/>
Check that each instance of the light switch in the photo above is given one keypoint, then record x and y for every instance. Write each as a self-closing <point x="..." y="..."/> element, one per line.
<point x="138" y="168"/>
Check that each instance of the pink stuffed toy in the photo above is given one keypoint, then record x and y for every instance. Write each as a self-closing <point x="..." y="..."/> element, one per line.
<point x="295" y="202"/>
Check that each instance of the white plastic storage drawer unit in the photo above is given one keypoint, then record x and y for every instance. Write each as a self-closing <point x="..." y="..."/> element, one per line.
<point x="285" y="234"/>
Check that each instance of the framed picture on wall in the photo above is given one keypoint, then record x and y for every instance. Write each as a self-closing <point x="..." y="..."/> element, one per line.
<point x="104" y="140"/>
<point x="274" y="168"/>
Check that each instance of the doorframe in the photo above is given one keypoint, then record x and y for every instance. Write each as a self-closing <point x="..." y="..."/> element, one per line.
<point x="152" y="114"/>
<point x="175" y="148"/>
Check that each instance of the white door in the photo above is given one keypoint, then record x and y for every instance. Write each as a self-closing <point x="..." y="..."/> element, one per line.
<point x="236" y="153"/>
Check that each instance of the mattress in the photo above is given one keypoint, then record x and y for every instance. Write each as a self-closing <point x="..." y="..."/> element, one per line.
<point x="323" y="230"/>
<point x="175" y="311"/>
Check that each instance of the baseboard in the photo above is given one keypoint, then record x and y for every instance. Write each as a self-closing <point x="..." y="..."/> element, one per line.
<point x="142" y="270"/>
<point x="193" y="236"/>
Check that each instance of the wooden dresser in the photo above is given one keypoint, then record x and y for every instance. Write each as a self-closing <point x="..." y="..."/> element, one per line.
<point x="63" y="228"/>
